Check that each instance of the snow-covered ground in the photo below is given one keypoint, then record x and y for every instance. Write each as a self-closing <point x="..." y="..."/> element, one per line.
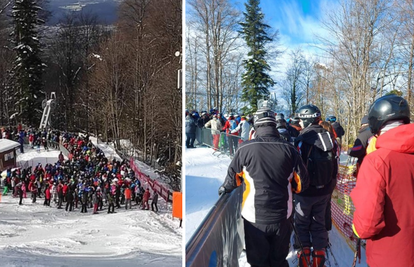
<point x="107" y="149"/>
<point x="36" y="235"/>
<point x="205" y="172"/>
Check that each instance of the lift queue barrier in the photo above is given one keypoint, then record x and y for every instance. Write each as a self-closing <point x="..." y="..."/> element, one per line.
<point x="221" y="142"/>
<point x="219" y="240"/>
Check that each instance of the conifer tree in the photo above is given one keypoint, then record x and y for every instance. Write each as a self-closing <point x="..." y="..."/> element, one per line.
<point x="28" y="66"/>
<point x="255" y="80"/>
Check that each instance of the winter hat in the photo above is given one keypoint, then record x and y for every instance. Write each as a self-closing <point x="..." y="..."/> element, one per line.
<point x="263" y="116"/>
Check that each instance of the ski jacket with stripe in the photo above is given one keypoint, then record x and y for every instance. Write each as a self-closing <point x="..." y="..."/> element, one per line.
<point x="270" y="170"/>
<point x="384" y="199"/>
<point x="316" y="135"/>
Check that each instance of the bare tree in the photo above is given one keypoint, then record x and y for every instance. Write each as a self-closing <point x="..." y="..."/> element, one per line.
<point x="293" y="88"/>
<point x="355" y="31"/>
<point x="214" y="22"/>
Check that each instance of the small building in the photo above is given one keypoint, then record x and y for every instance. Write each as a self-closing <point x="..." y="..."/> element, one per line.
<point x="8" y="154"/>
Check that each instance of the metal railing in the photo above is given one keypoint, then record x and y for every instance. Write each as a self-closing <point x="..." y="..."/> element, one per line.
<point x="219" y="240"/>
<point x="221" y="142"/>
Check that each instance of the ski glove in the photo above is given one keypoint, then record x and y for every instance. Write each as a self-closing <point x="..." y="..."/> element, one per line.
<point x="222" y="190"/>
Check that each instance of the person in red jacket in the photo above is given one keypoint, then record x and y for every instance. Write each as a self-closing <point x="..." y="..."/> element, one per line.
<point x="230" y="125"/>
<point x="145" y="198"/>
<point x="47" y="196"/>
<point x="128" y="196"/>
<point x="384" y="195"/>
<point x="64" y="190"/>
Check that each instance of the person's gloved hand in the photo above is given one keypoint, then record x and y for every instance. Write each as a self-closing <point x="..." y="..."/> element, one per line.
<point x="222" y="190"/>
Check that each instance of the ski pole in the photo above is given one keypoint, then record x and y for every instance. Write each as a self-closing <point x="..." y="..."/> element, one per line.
<point x="298" y="239"/>
<point x="357" y="252"/>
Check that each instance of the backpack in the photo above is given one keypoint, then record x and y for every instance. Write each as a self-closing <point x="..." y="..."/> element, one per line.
<point x="321" y="166"/>
<point x="233" y="125"/>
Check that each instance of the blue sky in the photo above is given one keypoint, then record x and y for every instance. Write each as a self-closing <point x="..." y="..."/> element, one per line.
<point x="298" y="21"/>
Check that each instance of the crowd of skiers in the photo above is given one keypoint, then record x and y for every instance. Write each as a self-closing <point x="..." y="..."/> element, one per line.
<point x="298" y="181"/>
<point x="35" y="138"/>
<point x="87" y="179"/>
<point x="239" y="128"/>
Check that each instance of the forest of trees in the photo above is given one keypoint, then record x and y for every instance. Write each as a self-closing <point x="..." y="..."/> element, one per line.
<point x="117" y="82"/>
<point x="368" y="52"/>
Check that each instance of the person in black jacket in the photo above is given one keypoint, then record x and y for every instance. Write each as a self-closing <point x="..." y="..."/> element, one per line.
<point x="319" y="152"/>
<point x="281" y="126"/>
<point x="69" y="199"/>
<point x="20" y="192"/>
<point x="85" y="197"/>
<point x="270" y="168"/>
<point x="360" y="145"/>
<point x="154" y="201"/>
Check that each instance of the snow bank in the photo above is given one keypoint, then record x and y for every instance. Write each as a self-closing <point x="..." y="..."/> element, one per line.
<point x="35" y="235"/>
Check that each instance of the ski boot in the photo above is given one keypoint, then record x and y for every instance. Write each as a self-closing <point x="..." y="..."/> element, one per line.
<point x="304" y="257"/>
<point x="318" y="257"/>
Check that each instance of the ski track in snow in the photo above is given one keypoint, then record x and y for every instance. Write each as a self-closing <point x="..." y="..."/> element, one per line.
<point x="205" y="172"/>
<point x="39" y="236"/>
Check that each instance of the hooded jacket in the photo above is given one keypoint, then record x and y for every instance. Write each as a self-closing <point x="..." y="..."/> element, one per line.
<point x="316" y="135"/>
<point x="384" y="199"/>
<point x="270" y="169"/>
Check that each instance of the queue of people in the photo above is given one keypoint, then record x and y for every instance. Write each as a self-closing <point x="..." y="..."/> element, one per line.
<point x="87" y="180"/>
<point x="289" y="187"/>
<point x="230" y="130"/>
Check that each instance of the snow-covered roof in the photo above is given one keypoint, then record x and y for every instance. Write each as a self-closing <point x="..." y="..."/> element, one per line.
<point x="6" y="144"/>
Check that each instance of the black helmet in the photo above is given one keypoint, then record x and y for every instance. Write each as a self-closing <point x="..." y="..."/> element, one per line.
<point x="294" y="121"/>
<point x="264" y="116"/>
<point x="281" y="123"/>
<point x="331" y="118"/>
<point x="309" y="114"/>
<point x="280" y="116"/>
<point x="387" y="108"/>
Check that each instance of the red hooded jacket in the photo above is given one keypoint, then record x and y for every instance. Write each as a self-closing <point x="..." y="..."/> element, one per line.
<point x="384" y="199"/>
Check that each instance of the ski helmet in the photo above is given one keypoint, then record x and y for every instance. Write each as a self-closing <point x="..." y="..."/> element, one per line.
<point x="294" y="121"/>
<point x="387" y="108"/>
<point x="281" y="123"/>
<point x="280" y="116"/>
<point x="331" y="118"/>
<point x="263" y="116"/>
<point x="309" y="114"/>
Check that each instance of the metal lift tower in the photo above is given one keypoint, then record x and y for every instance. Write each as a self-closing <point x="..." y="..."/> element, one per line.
<point x="48" y="105"/>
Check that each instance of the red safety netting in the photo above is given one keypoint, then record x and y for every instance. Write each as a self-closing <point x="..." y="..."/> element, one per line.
<point x="146" y="182"/>
<point x="342" y="206"/>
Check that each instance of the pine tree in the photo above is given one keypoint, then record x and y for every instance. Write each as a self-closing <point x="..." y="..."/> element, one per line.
<point x="255" y="80"/>
<point x="28" y="66"/>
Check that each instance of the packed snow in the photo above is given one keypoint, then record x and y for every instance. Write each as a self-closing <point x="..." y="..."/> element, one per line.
<point x="205" y="172"/>
<point x="37" y="235"/>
